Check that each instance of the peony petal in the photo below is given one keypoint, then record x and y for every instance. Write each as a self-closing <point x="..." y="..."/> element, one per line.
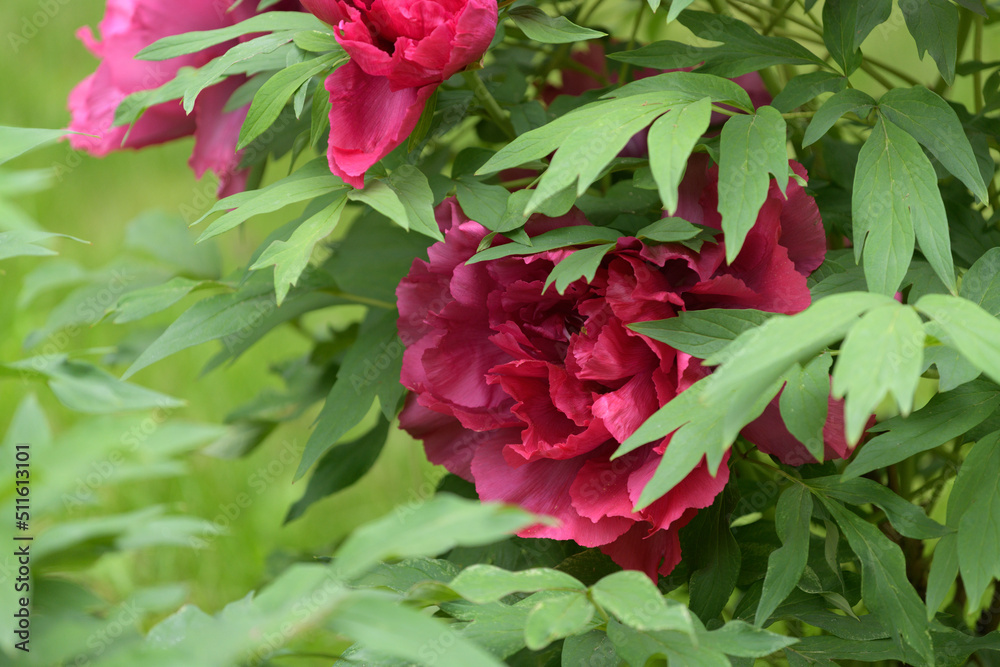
<point x="216" y="135"/>
<point x="368" y="120"/>
<point x="652" y="552"/>
<point x="771" y="436"/>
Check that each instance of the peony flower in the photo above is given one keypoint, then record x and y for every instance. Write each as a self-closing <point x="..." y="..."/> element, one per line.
<point x="401" y="50"/>
<point x="128" y="27"/>
<point x="528" y="393"/>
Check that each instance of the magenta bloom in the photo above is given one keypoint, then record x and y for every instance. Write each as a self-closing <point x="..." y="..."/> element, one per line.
<point x="528" y="394"/>
<point x="401" y="50"/>
<point x="128" y="27"/>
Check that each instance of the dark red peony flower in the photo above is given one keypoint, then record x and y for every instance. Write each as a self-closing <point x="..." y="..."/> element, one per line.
<point x="128" y="27"/>
<point x="400" y="51"/>
<point x="528" y="393"/>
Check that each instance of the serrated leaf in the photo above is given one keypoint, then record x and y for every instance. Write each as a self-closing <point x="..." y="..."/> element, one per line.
<point x="439" y="524"/>
<point x="805" y="87"/>
<point x="581" y="263"/>
<point x="932" y="122"/>
<point x="786" y="564"/>
<point x="976" y="501"/>
<point x="752" y="146"/>
<point x="483" y="583"/>
<point x="541" y="27"/>
<point x="970" y="330"/>
<point x="934" y="26"/>
<point x="341" y="467"/>
<point x="702" y="333"/>
<point x="290" y="258"/>
<point x="884" y="585"/>
<point x="556" y="617"/>
<point x="311" y="181"/>
<point x="192" y="42"/>
<point x="882" y="354"/>
<point x="274" y="94"/>
<point x="671" y="139"/>
<point x="849" y="100"/>
<point x="908" y="519"/>
<point x="804" y="403"/>
<point x="636" y="601"/>
<point x="896" y="199"/>
<point x="945" y="416"/>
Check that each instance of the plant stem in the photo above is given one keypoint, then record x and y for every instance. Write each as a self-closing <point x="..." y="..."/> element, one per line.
<point x="777" y="17"/>
<point x="493" y="110"/>
<point x="977" y="54"/>
<point x="623" y="72"/>
<point x="357" y="298"/>
<point x="780" y="13"/>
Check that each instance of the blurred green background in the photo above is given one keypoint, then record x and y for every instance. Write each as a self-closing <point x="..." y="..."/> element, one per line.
<point x="95" y="199"/>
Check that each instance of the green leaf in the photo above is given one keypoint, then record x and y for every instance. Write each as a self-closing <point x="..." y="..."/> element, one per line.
<point x="209" y="319"/>
<point x="676" y="7"/>
<point x="946" y="416"/>
<point x="405" y="197"/>
<point x="849" y="100"/>
<point x="670" y="230"/>
<point x="743" y="49"/>
<point x="895" y="197"/>
<point x="388" y="628"/>
<point x="689" y="86"/>
<point x="482" y="583"/>
<point x="884" y="586"/>
<point x="751" y="147"/>
<point x="882" y="354"/>
<point x="672" y="137"/>
<point x="638" y="647"/>
<point x="581" y="263"/>
<point x="16" y="141"/>
<point x="593" y="649"/>
<point x="273" y="95"/>
<point x="908" y="519"/>
<point x="557" y="238"/>
<point x="806" y="87"/>
<point x="981" y="284"/>
<point x="786" y="564"/>
<point x="804" y="403"/>
<point x="970" y="330"/>
<point x="932" y="122"/>
<point x="370" y="365"/>
<point x="943" y="571"/>
<point x="249" y="57"/>
<point x="541" y="27"/>
<point x="141" y="303"/>
<point x="587" y="150"/>
<point x="871" y="14"/>
<point x="23" y="243"/>
<point x="341" y="467"/>
<point x="192" y="42"/>
<point x="743" y="640"/>
<point x="483" y="203"/>
<point x="934" y="26"/>
<point x="702" y="333"/>
<point x="713" y="557"/>
<point x="439" y="524"/>
<point x="556" y="617"/>
<point x="976" y="497"/>
<point x="311" y="181"/>
<point x="290" y="258"/>
<point x="636" y="601"/>
<point x="840" y="25"/>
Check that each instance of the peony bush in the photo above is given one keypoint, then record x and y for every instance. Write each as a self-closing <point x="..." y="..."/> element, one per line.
<point x="692" y="305"/>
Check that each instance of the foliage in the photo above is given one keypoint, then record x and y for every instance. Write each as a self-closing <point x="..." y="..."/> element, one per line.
<point x="889" y="555"/>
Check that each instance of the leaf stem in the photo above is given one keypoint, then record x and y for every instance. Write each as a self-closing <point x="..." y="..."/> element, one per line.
<point x="777" y="17"/>
<point x="357" y="298"/>
<point x="780" y="13"/>
<point x="623" y="72"/>
<point x="490" y="105"/>
<point x="977" y="54"/>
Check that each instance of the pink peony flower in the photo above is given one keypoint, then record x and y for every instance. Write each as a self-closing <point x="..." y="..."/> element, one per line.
<point x="128" y="27"/>
<point x="528" y="393"/>
<point x="401" y="50"/>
